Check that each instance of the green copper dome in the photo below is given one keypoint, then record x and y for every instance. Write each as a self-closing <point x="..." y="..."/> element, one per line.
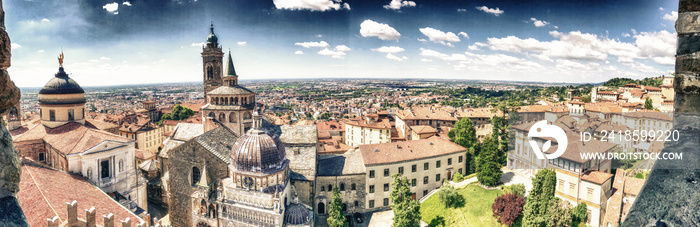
<point x="212" y="37"/>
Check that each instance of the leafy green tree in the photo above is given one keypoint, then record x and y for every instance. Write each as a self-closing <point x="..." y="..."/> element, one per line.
<point x="648" y="104"/>
<point x="406" y="209"/>
<point x="336" y="217"/>
<point x="179" y="113"/>
<point x="489" y="170"/>
<point x="586" y="98"/>
<point x="464" y="133"/>
<point x="448" y="196"/>
<point x="579" y="215"/>
<point x="560" y="213"/>
<point x="457" y="177"/>
<point x="536" y="209"/>
<point x="518" y="189"/>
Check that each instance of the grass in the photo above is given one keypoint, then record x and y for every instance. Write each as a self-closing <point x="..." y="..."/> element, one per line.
<point x="475" y="212"/>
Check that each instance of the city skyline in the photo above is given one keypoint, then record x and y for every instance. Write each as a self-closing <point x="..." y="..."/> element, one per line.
<point x="137" y="42"/>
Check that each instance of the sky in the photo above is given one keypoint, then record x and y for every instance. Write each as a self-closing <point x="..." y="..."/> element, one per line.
<point x="107" y="42"/>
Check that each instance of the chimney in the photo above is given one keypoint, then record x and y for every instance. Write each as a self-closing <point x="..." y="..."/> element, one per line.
<point x="108" y="220"/>
<point x="147" y="219"/>
<point x="52" y="222"/>
<point x="72" y="208"/>
<point x="90" y="217"/>
<point x="126" y="222"/>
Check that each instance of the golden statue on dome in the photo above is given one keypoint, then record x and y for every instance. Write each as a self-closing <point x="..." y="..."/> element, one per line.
<point x="60" y="59"/>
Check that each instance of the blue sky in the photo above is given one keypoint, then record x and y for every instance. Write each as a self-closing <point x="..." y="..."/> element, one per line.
<point x="109" y="42"/>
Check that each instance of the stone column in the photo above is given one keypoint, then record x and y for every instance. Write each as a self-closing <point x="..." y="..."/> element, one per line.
<point x="670" y="195"/>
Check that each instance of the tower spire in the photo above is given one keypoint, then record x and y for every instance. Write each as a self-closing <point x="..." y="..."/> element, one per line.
<point x="230" y="70"/>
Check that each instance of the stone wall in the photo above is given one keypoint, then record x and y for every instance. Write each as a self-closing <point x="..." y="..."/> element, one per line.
<point x="348" y="195"/>
<point x="182" y="160"/>
<point x="670" y="194"/>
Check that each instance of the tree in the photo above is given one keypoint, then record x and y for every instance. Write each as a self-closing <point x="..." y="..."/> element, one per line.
<point x="457" y="177"/>
<point x="489" y="170"/>
<point x="648" y="104"/>
<point x="449" y="196"/>
<point x="559" y="213"/>
<point x="579" y="215"/>
<point x="179" y="113"/>
<point x="464" y="133"/>
<point x="536" y="209"/>
<point x="518" y="189"/>
<point x="507" y="208"/>
<point x="336" y="217"/>
<point x="586" y="98"/>
<point x="406" y="209"/>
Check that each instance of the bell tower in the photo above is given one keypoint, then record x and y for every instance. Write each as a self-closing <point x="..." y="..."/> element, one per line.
<point x="212" y="58"/>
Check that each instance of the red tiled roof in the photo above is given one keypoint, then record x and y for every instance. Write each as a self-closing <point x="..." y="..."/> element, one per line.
<point x="383" y="153"/>
<point x="596" y="177"/>
<point x="143" y="154"/>
<point x="44" y="193"/>
<point x="70" y="138"/>
<point x="421" y="129"/>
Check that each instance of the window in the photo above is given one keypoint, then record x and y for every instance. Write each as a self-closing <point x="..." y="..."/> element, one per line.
<point x="371" y="174"/>
<point x="342" y="187"/>
<point x="371" y="204"/>
<point x="414" y="168"/>
<point x="437" y="164"/>
<point x="386" y="172"/>
<point x="449" y="161"/>
<point x="323" y="188"/>
<point x="357" y="204"/>
<point x="71" y="115"/>
<point x="572" y="188"/>
<point x="371" y="189"/>
<point x="353" y="187"/>
<point x="425" y="180"/>
<point x="588" y="216"/>
<point x="461" y="158"/>
<point x="52" y="115"/>
<point x="437" y="177"/>
<point x="330" y="187"/>
<point x="42" y="156"/>
<point x="425" y="166"/>
<point x="121" y="165"/>
<point x="195" y="175"/>
<point x="425" y="192"/>
<point x="104" y="169"/>
<point x="413" y="182"/>
<point x="401" y="170"/>
<point x="386" y="201"/>
<point x="386" y="187"/>
<point x="589" y="194"/>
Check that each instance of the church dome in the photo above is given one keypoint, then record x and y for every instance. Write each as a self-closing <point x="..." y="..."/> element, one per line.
<point x="256" y="151"/>
<point x="297" y="214"/>
<point x="61" y="84"/>
<point x="212" y="37"/>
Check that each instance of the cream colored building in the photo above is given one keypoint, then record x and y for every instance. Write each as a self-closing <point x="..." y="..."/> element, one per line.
<point x="426" y="163"/>
<point x="423" y="115"/>
<point x="367" y="131"/>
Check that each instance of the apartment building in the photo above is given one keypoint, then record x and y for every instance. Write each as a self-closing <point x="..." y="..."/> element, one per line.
<point x="367" y="130"/>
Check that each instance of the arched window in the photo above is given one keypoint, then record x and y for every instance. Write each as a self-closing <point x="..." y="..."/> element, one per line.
<point x="210" y="72"/>
<point x="212" y="115"/>
<point x="323" y="188"/>
<point x="232" y="117"/>
<point x="235" y="101"/>
<point x="222" y="117"/>
<point x="247" y="116"/>
<point x="212" y="211"/>
<point x="353" y="187"/>
<point x="121" y="165"/>
<point x="342" y="187"/>
<point x="357" y="204"/>
<point x="345" y="207"/>
<point x="195" y="176"/>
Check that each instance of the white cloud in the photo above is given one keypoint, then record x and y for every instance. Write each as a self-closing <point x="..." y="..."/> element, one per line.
<point x="422" y="40"/>
<point x="661" y="8"/>
<point x="659" y="46"/>
<point x="446" y="57"/>
<point x="395" y="58"/>
<point x="389" y="49"/>
<point x="40" y="51"/>
<point x="397" y="4"/>
<point x="313" y="5"/>
<point x="298" y="52"/>
<point x="333" y="54"/>
<point x="538" y="23"/>
<point x="319" y="36"/>
<point x="242" y="43"/>
<point x="370" y="28"/>
<point x="103" y="58"/>
<point x="625" y="34"/>
<point x="111" y="7"/>
<point x="15" y="46"/>
<point x="126" y="3"/>
<point x="45" y="20"/>
<point x="313" y="44"/>
<point x="476" y="46"/>
<point x="342" y="48"/>
<point x="463" y="34"/>
<point x="672" y="17"/>
<point x="493" y="11"/>
<point x="198" y="44"/>
<point x="425" y="60"/>
<point x="438" y="36"/>
<point x="461" y="10"/>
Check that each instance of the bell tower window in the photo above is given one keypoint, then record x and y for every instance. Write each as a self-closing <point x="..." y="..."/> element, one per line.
<point x="210" y="72"/>
<point x="52" y="115"/>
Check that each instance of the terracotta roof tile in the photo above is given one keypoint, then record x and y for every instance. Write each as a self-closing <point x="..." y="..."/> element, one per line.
<point x="596" y="176"/>
<point x="382" y="153"/>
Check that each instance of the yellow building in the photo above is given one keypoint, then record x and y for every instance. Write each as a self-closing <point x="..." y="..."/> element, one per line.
<point x="367" y="131"/>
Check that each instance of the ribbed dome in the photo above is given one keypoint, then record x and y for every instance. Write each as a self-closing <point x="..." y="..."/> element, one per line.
<point x="256" y="151"/>
<point x="297" y="214"/>
<point x="61" y="84"/>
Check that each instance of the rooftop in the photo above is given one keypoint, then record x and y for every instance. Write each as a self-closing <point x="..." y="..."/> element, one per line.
<point x="384" y="153"/>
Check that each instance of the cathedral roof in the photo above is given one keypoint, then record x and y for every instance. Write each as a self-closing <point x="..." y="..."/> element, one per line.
<point x="230" y="70"/>
<point x="230" y="90"/>
<point x="256" y="151"/>
<point x="62" y="84"/>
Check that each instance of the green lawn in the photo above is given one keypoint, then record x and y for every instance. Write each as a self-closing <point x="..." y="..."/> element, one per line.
<point x="475" y="212"/>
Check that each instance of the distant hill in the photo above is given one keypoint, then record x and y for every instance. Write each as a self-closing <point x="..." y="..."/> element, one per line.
<point x="620" y="82"/>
